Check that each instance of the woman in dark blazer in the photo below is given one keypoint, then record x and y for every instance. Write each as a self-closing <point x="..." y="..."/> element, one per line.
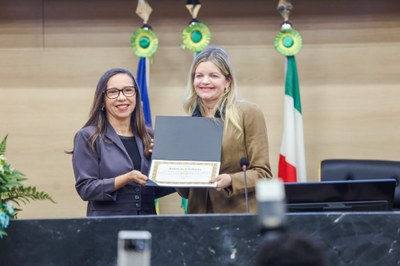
<point x="111" y="155"/>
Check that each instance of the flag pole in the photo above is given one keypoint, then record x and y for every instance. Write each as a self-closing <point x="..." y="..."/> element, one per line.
<point x="195" y="37"/>
<point x="292" y="162"/>
<point x="144" y="43"/>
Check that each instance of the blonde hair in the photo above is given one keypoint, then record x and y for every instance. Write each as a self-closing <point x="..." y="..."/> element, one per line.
<point x="227" y="104"/>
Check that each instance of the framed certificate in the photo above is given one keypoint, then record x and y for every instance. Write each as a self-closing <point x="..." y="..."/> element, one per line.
<point x="187" y="151"/>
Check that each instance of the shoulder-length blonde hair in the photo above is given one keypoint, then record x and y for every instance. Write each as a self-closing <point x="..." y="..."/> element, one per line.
<point x="227" y="103"/>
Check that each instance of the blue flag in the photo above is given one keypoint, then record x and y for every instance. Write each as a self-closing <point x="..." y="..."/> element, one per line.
<point x="142" y="83"/>
<point x="141" y="78"/>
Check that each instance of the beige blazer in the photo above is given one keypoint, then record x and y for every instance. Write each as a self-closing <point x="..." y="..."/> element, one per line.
<point x="253" y="144"/>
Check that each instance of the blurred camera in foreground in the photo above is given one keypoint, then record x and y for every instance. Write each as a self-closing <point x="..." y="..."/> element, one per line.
<point x="134" y="248"/>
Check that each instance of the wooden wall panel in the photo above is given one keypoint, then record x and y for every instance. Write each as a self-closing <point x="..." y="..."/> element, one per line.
<point x="21" y="23"/>
<point x="53" y="52"/>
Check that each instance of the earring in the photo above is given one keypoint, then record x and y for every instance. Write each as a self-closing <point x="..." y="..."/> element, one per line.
<point x="225" y="90"/>
<point x="102" y="108"/>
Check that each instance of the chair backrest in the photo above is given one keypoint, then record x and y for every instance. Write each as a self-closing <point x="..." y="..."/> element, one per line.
<point x="347" y="169"/>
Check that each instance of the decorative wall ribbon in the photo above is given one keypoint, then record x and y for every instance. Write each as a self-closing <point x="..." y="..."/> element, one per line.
<point x="144" y="41"/>
<point x="196" y="36"/>
<point x="288" y="41"/>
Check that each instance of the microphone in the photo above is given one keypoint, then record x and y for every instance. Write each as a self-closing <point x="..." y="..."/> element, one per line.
<point x="244" y="163"/>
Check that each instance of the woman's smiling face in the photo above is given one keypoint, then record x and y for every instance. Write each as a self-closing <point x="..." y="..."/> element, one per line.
<point x="122" y="107"/>
<point x="209" y="83"/>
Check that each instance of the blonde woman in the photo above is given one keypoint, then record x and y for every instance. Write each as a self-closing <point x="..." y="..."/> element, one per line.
<point x="211" y="92"/>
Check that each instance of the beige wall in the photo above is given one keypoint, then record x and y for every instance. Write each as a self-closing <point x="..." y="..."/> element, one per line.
<point x="53" y="52"/>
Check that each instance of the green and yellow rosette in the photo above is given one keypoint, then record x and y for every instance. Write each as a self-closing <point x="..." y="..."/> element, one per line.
<point x="196" y="36"/>
<point x="288" y="42"/>
<point x="144" y="42"/>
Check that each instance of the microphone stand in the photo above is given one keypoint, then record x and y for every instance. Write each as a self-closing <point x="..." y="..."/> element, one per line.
<point x="244" y="167"/>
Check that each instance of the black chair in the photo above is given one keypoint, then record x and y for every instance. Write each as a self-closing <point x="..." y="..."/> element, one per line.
<point x="346" y="169"/>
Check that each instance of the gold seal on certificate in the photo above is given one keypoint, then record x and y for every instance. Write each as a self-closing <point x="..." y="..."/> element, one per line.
<point x="187" y="151"/>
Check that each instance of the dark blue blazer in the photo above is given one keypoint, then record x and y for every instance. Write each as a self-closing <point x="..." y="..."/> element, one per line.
<point x="95" y="175"/>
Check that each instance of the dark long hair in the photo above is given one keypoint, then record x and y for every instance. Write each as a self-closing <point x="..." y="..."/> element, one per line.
<point x="98" y="117"/>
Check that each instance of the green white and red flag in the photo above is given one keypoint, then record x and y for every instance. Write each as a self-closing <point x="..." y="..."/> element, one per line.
<point x="292" y="162"/>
